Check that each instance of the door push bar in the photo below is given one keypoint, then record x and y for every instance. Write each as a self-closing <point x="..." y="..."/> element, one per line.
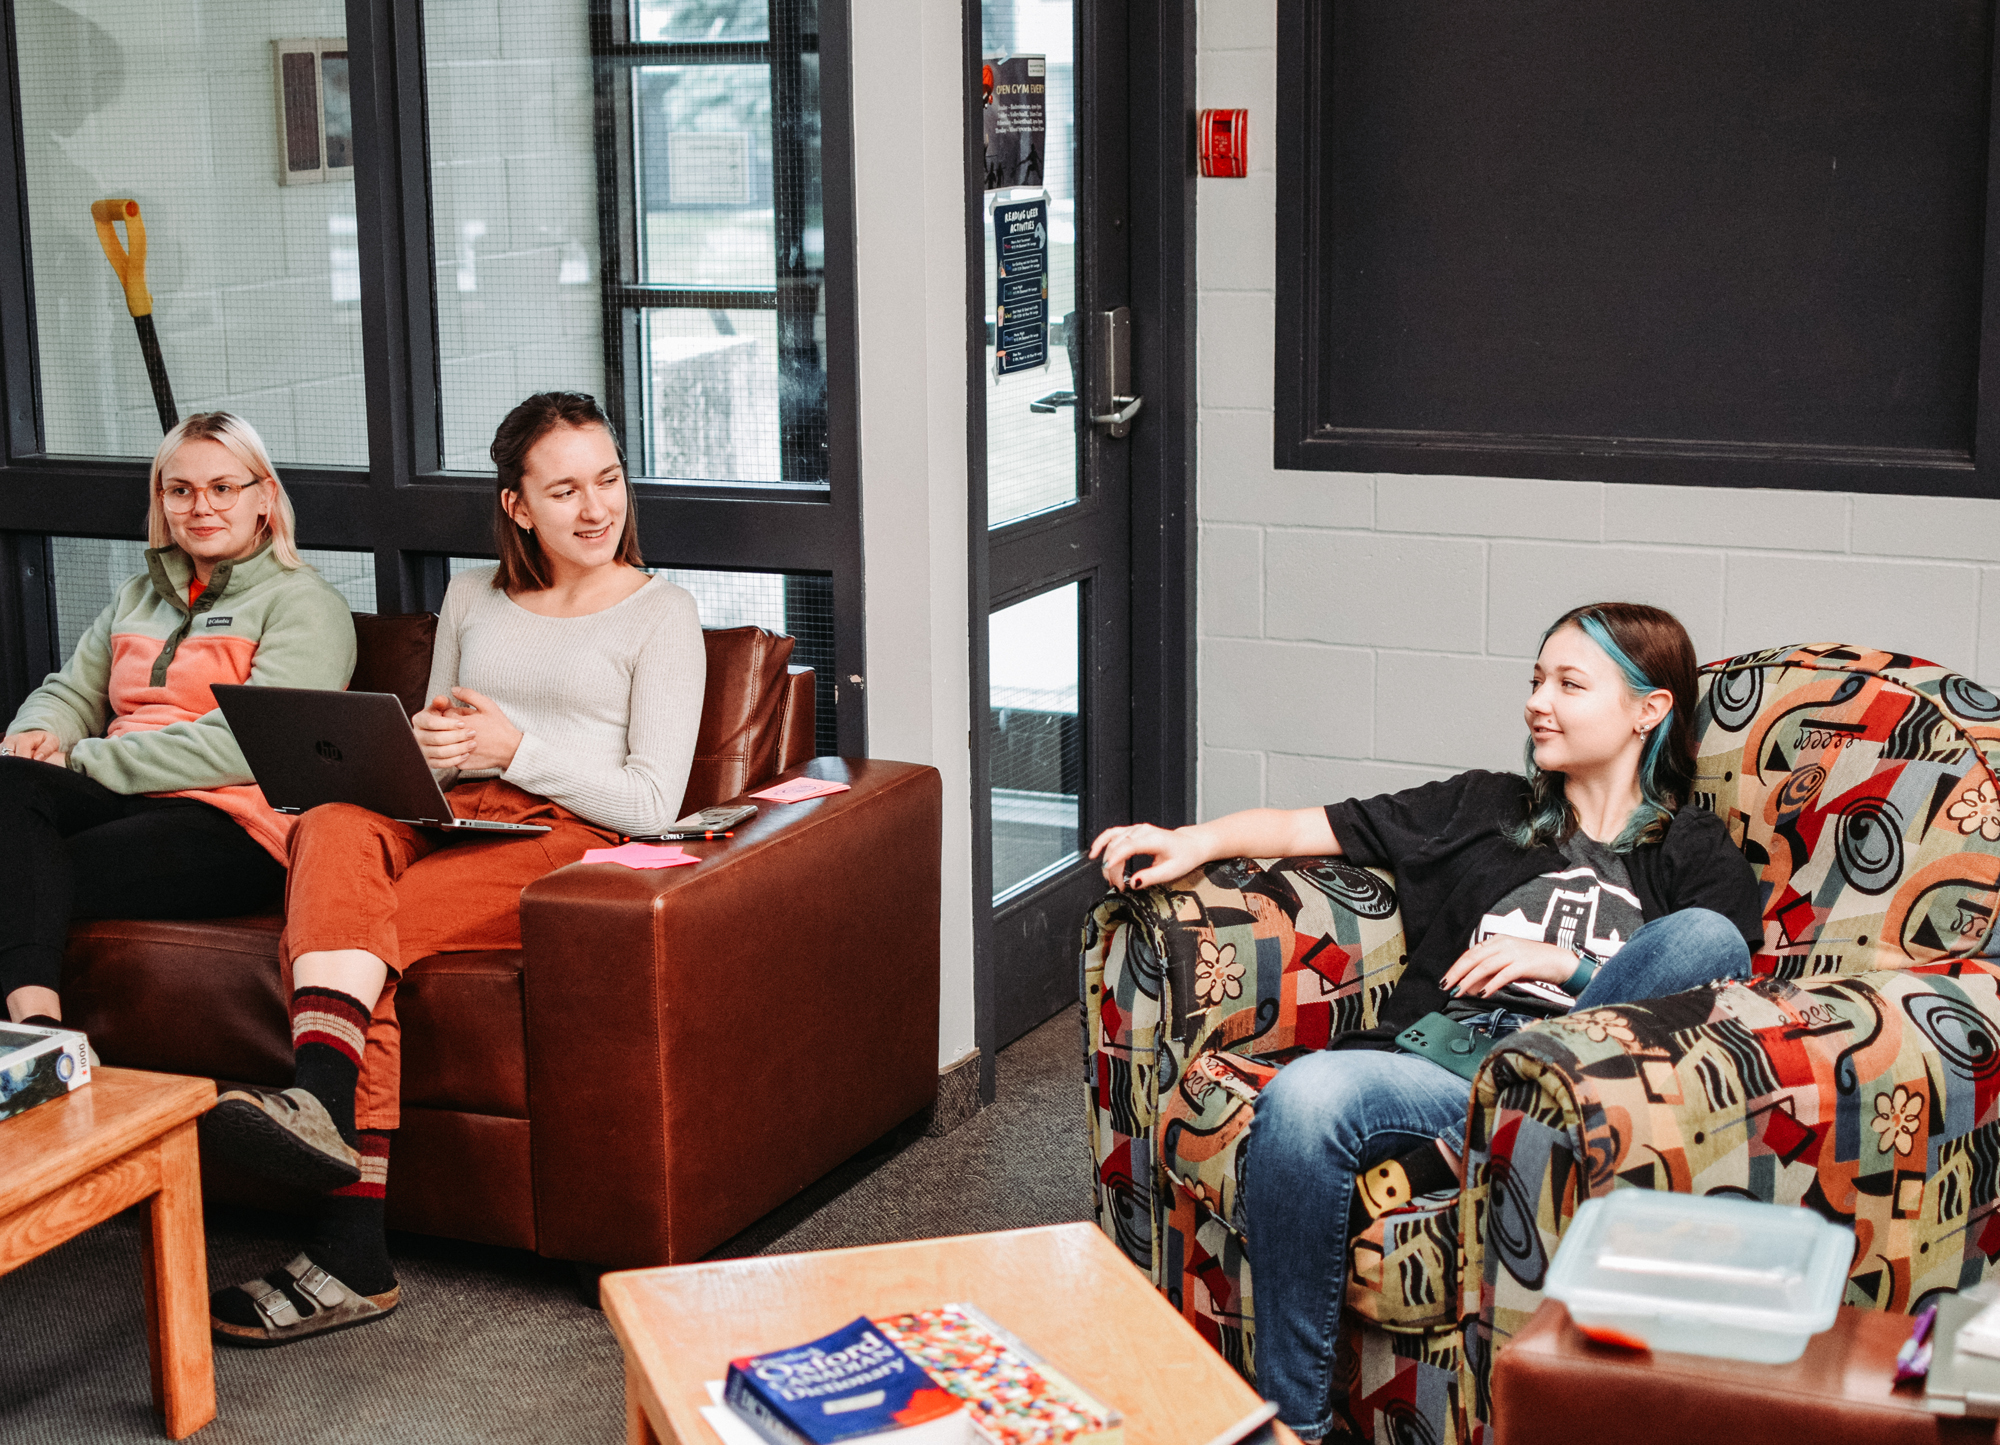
<point x="1111" y="348"/>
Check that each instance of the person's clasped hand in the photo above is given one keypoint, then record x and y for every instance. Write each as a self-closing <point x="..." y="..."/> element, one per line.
<point x="36" y="746"/>
<point x="466" y="731"/>
<point x="1486" y="968"/>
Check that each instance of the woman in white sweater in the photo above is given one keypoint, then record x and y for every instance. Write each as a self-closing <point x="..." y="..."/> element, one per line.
<point x="566" y="689"/>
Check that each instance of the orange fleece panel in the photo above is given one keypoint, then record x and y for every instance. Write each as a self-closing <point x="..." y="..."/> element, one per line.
<point x="199" y="663"/>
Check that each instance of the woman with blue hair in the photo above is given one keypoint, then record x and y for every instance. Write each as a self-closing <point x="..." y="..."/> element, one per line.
<point x="1584" y="883"/>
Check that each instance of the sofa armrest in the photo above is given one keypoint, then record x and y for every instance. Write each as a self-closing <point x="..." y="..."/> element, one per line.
<point x="1866" y="1097"/>
<point x="704" y="1042"/>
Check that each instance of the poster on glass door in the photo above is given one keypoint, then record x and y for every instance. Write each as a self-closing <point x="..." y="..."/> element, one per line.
<point x="1021" y="307"/>
<point x="1013" y="91"/>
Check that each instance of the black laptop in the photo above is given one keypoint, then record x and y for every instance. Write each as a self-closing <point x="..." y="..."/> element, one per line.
<point x="308" y="746"/>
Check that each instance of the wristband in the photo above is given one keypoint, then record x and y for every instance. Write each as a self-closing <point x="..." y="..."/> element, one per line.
<point x="1586" y="970"/>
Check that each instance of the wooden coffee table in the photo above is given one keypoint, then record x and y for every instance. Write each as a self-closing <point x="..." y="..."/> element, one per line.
<point x="1065" y="1290"/>
<point x="76" y="1161"/>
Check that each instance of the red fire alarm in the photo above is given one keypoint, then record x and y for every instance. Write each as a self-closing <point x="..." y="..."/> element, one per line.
<point x="1225" y="143"/>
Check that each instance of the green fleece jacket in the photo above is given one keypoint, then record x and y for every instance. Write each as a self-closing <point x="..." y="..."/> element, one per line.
<point x="132" y="707"/>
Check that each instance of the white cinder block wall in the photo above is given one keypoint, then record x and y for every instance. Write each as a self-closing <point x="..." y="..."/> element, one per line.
<point x="1362" y="633"/>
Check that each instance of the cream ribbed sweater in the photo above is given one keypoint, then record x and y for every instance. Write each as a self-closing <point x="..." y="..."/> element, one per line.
<point x="607" y="704"/>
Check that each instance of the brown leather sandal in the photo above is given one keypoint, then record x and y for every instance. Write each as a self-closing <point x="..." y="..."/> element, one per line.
<point x="277" y="1298"/>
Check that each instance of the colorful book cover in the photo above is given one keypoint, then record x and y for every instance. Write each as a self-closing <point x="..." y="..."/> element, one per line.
<point x="39" y="1064"/>
<point x="1016" y="1398"/>
<point x="851" y="1385"/>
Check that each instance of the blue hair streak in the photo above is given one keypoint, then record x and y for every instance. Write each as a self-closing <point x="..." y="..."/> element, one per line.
<point x="1550" y="819"/>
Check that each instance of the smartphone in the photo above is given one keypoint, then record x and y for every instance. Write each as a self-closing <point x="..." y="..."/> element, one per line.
<point x="695" y="827"/>
<point x="1536" y="993"/>
<point x="1447" y="1043"/>
<point x="710" y="819"/>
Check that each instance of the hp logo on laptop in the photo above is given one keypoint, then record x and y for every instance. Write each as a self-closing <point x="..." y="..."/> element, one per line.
<point x="327" y="751"/>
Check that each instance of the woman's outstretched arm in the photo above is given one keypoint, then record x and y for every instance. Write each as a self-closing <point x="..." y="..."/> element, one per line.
<point x="1253" y="833"/>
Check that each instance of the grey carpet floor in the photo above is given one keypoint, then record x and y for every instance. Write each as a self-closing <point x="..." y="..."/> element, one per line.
<point x="495" y="1345"/>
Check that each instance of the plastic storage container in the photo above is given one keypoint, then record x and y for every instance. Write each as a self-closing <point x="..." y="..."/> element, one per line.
<point x="1706" y="1276"/>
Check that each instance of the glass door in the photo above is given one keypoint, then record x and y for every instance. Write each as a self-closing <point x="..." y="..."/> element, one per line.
<point x="1051" y="575"/>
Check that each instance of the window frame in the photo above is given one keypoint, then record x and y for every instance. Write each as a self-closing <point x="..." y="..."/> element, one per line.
<point x="794" y="294"/>
<point x="404" y="507"/>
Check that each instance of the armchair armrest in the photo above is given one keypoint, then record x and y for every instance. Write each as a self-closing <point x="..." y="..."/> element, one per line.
<point x="1220" y="957"/>
<point x="1247" y="957"/>
<point x="1866" y="1097"/>
<point x="704" y="1042"/>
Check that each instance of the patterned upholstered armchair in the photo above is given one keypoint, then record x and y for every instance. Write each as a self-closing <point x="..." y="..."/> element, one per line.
<point x="1858" y="1074"/>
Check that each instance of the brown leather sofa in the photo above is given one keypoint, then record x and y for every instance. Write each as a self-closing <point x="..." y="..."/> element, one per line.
<point x="670" y="1054"/>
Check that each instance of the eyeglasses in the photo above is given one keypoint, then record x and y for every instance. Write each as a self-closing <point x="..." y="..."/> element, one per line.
<point x="180" y="497"/>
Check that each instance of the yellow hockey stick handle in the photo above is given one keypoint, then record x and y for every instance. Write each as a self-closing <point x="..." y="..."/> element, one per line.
<point x="130" y="267"/>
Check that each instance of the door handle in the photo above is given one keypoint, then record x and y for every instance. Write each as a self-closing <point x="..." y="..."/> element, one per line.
<point x="1118" y="420"/>
<point x="1113" y="403"/>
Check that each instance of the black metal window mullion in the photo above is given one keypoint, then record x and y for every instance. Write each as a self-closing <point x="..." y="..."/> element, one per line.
<point x="617" y="211"/>
<point x="802" y="453"/>
<point x="802" y="421"/>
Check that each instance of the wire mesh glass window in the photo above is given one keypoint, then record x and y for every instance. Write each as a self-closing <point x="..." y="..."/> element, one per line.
<point x="799" y="605"/>
<point x="715" y="252"/>
<point x="1034" y="425"/>
<point x="86" y="573"/>
<point x="1035" y="737"/>
<point x="514" y="200"/>
<point x="250" y="289"/>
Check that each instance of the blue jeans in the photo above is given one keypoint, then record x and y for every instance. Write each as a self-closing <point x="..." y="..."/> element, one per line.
<point x="1330" y="1116"/>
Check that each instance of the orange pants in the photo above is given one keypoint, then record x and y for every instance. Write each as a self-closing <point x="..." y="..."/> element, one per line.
<point x="359" y="880"/>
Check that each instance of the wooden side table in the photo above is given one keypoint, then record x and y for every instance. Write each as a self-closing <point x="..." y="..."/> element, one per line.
<point x="76" y="1161"/>
<point x="1065" y="1290"/>
<point x="1552" y="1386"/>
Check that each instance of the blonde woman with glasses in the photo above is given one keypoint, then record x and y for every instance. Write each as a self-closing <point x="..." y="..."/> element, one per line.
<point x="122" y="792"/>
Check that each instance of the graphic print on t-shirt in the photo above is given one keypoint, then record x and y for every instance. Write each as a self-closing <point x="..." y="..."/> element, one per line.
<point x="1574" y="909"/>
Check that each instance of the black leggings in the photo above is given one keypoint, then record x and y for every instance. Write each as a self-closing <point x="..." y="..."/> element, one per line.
<point x="71" y="848"/>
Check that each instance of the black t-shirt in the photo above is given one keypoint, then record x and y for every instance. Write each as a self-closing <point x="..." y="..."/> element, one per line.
<point x="1587" y="907"/>
<point x="1447" y="844"/>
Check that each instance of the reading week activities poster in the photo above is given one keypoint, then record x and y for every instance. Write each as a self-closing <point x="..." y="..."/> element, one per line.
<point x="1021" y="309"/>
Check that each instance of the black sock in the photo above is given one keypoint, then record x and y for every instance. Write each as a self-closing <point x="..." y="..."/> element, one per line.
<point x="328" y="1029"/>
<point x="1395" y="1182"/>
<point x="351" y="1242"/>
<point x="42" y="1021"/>
<point x="329" y="1076"/>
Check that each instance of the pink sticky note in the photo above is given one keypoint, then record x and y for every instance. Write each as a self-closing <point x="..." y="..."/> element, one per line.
<point x="641" y="855"/>
<point x="798" y="790"/>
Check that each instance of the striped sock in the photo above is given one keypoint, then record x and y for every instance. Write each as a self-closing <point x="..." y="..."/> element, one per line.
<point x="373" y="1147"/>
<point x="328" y="1030"/>
<point x="350" y="1239"/>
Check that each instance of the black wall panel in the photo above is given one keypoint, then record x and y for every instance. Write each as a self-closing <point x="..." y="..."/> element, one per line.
<point x="1698" y="240"/>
